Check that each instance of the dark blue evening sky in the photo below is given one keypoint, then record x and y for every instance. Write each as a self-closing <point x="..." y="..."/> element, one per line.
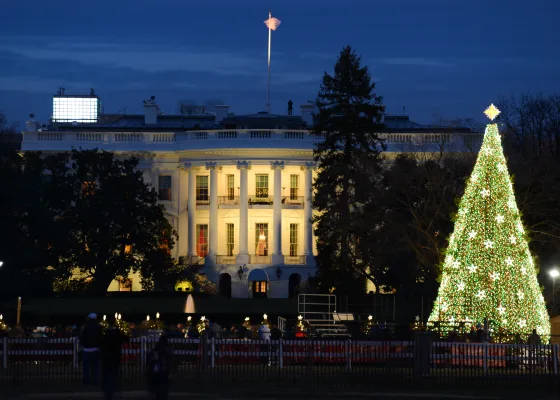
<point x="445" y="57"/>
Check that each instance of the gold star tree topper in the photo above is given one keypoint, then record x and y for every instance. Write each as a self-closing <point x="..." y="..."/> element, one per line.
<point x="492" y="112"/>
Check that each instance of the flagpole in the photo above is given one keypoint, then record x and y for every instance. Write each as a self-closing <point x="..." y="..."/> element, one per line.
<point x="269" y="46"/>
<point x="271" y="24"/>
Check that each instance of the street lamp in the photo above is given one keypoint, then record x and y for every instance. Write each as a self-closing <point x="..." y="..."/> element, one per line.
<point x="1" y="263"/>
<point x="554" y="273"/>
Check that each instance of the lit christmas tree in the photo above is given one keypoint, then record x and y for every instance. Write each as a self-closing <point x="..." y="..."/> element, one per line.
<point x="488" y="270"/>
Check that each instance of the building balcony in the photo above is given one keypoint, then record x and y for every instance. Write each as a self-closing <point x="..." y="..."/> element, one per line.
<point x="253" y="259"/>
<point x="294" y="260"/>
<point x="203" y="201"/>
<point x="228" y="200"/>
<point x="293" y="201"/>
<point x="191" y="260"/>
<point x="227" y="260"/>
<point x="260" y="200"/>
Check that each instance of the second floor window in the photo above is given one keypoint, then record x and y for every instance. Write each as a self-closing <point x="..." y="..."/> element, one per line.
<point x="294" y="239"/>
<point x="202" y="187"/>
<point x="164" y="187"/>
<point x="230" y="184"/>
<point x="261" y="239"/>
<point x="261" y="186"/>
<point x="294" y="187"/>
<point x="230" y="239"/>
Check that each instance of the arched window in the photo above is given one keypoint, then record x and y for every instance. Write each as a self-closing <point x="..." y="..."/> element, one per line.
<point x="224" y="285"/>
<point x="293" y="285"/>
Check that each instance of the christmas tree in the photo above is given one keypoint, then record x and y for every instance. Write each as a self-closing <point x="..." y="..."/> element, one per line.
<point x="488" y="270"/>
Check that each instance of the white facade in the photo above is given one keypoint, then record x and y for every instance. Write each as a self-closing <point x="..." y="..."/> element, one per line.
<point x="240" y="199"/>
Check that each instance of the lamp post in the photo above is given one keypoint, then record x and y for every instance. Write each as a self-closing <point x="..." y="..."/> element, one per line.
<point x="554" y="273"/>
<point x="271" y="24"/>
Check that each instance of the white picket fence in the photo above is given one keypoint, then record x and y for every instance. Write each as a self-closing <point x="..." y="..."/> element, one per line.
<point x="283" y="352"/>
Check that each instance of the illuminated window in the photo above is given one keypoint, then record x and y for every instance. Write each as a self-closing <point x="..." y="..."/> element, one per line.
<point x="261" y="182"/>
<point x="202" y="240"/>
<point x="260" y="286"/>
<point x="202" y="187"/>
<point x="294" y="187"/>
<point x="125" y="285"/>
<point x="230" y="239"/>
<point x="88" y="188"/>
<point x="294" y="239"/>
<point x="164" y="183"/>
<point x="261" y="239"/>
<point x="230" y="182"/>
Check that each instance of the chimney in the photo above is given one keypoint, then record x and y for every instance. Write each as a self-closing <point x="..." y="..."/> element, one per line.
<point x="150" y="111"/>
<point x="307" y="110"/>
<point x="32" y="125"/>
<point x="222" y="111"/>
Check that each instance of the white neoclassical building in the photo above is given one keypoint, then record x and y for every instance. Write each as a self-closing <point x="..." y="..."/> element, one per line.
<point x="236" y="188"/>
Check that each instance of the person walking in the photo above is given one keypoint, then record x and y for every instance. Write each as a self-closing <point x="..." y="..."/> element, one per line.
<point x="111" y="354"/>
<point x="264" y="336"/>
<point x="90" y="340"/>
<point x="159" y="365"/>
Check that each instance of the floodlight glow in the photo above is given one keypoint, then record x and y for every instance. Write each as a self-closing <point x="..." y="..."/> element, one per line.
<point x="554" y="273"/>
<point x="78" y="109"/>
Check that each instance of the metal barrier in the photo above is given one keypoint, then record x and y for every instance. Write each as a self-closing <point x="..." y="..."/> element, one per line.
<point x="57" y="361"/>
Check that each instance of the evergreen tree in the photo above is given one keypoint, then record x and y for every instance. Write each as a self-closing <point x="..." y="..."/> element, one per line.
<point x="349" y="117"/>
<point x="488" y="270"/>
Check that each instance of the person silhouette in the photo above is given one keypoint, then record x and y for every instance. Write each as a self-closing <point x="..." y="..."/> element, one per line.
<point x="290" y="107"/>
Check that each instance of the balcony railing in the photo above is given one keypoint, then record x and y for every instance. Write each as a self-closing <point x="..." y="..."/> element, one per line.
<point x="261" y="200"/>
<point x="294" y="260"/>
<point x="228" y="200"/>
<point x="253" y="259"/>
<point x="202" y="201"/>
<point x="191" y="260"/>
<point x="293" y="200"/>
<point x="396" y="142"/>
<point x="228" y="260"/>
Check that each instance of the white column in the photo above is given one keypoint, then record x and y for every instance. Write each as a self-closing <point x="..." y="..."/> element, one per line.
<point x="191" y="211"/>
<point x="277" y="256"/>
<point x="308" y="213"/>
<point x="182" y="211"/>
<point x="243" y="255"/>
<point x="213" y="234"/>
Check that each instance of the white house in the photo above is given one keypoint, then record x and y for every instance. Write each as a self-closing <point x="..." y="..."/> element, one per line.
<point x="236" y="188"/>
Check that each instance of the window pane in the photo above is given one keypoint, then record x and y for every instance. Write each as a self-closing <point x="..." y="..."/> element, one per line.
<point x="261" y="239"/>
<point x="202" y="240"/>
<point x="202" y="187"/>
<point x="230" y="239"/>
<point x="261" y="183"/>
<point x="294" y="187"/>
<point x="230" y="182"/>
<point x="294" y="239"/>
<point x="164" y="183"/>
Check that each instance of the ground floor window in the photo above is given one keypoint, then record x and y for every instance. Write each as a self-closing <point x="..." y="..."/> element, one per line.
<point x="261" y="239"/>
<point x="260" y="289"/>
<point x="202" y="240"/>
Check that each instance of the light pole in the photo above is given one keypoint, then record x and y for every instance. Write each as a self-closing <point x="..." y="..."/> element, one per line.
<point x="554" y="274"/>
<point x="271" y="24"/>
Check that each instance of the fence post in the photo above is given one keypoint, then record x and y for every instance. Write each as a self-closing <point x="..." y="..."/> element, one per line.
<point x="142" y="352"/>
<point x="555" y="358"/>
<point x="280" y="356"/>
<point x="5" y="352"/>
<point x="212" y="352"/>
<point x="485" y="357"/>
<point x="422" y="353"/>
<point x="348" y="355"/>
<point x="75" y="351"/>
